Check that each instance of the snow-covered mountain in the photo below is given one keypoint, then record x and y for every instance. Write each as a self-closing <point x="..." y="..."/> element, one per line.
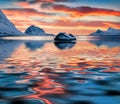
<point x="64" y="37"/>
<point x="34" y="31"/>
<point x="110" y="31"/>
<point x="7" y="28"/>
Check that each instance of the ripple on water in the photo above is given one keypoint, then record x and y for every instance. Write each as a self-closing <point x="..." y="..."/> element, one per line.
<point x="83" y="74"/>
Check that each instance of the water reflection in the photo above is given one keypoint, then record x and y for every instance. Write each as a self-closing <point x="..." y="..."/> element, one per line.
<point x="7" y="48"/>
<point x="64" y="45"/>
<point x="109" y="43"/>
<point x="33" y="45"/>
<point x="84" y="74"/>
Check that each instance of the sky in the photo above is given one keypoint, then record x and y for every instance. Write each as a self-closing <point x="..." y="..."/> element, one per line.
<point x="79" y="17"/>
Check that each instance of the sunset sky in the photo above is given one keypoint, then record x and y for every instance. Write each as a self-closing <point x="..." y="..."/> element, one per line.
<point x="79" y="17"/>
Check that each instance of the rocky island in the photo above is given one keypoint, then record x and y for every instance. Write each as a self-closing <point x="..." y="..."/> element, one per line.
<point x="63" y="37"/>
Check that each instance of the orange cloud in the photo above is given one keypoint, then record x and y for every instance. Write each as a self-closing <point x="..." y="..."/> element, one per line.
<point x="47" y="5"/>
<point x="26" y="12"/>
<point x="85" y="11"/>
<point x="76" y="12"/>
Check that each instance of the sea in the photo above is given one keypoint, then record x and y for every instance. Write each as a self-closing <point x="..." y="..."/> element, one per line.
<point x="37" y="70"/>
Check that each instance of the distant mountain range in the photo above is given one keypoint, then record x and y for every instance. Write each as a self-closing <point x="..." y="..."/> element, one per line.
<point x="7" y="28"/>
<point x="110" y="32"/>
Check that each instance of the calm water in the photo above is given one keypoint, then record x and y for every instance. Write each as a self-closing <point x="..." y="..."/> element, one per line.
<point x="44" y="72"/>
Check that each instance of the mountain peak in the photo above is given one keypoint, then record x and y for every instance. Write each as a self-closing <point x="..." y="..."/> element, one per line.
<point x="99" y="31"/>
<point x="110" y="29"/>
<point x="32" y="26"/>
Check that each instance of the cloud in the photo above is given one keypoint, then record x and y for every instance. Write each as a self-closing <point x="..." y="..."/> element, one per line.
<point x="74" y="12"/>
<point x="81" y="24"/>
<point x="27" y="12"/>
<point x="85" y="11"/>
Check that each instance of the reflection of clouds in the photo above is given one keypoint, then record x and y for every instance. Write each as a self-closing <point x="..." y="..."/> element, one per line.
<point x="76" y="72"/>
<point x="64" y="45"/>
<point x="51" y="73"/>
<point x="84" y="55"/>
<point x="44" y="87"/>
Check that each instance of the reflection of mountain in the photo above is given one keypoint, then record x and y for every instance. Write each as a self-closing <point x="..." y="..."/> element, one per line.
<point x="33" y="45"/>
<point x="109" y="43"/>
<point x="7" y="48"/>
<point x="64" y="45"/>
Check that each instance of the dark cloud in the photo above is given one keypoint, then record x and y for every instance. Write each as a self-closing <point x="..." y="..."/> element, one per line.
<point x="46" y="5"/>
<point x="29" y="1"/>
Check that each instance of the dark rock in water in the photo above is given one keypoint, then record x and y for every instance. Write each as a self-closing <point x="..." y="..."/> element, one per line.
<point x="35" y="31"/>
<point x="64" y="45"/>
<point x="65" y="37"/>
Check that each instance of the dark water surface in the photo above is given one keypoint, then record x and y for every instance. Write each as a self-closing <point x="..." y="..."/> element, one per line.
<point x="44" y="72"/>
